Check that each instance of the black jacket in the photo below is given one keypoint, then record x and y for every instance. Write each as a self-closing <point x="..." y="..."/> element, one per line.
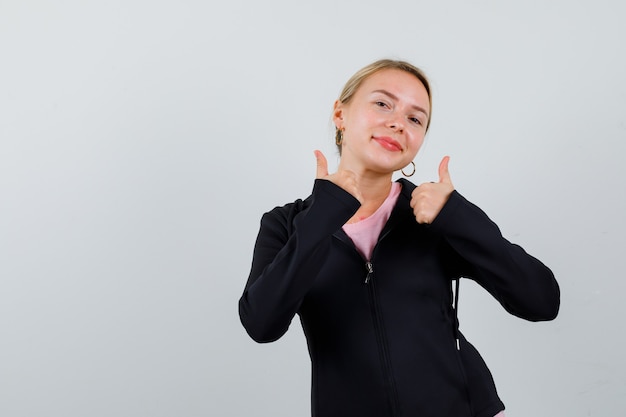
<point x="382" y="335"/>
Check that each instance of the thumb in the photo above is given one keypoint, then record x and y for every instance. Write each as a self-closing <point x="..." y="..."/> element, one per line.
<point x="444" y="174"/>
<point x="322" y="165"/>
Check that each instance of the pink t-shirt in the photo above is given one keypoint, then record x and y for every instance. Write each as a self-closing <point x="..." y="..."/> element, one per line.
<point x="364" y="233"/>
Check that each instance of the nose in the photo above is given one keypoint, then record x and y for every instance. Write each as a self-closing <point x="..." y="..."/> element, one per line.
<point x="396" y="124"/>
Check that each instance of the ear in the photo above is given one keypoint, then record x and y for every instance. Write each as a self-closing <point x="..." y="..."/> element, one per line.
<point x="338" y="109"/>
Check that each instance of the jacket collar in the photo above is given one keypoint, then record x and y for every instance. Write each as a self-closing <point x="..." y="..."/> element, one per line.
<point x="402" y="210"/>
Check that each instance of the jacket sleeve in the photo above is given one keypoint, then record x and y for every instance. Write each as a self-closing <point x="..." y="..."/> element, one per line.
<point x="289" y="252"/>
<point x="522" y="284"/>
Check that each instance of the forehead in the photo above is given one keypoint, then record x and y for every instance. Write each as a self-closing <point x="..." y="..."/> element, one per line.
<point x="400" y="83"/>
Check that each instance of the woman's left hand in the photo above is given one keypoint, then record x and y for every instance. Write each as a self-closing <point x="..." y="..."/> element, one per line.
<point x="428" y="199"/>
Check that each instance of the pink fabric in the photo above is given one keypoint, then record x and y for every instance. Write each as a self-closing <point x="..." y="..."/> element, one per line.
<point x="500" y="414"/>
<point x="365" y="233"/>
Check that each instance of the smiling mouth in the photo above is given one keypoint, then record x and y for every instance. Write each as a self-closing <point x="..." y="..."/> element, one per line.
<point x="388" y="143"/>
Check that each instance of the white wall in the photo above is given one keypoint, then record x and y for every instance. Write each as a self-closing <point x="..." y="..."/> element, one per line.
<point x="140" y="142"/>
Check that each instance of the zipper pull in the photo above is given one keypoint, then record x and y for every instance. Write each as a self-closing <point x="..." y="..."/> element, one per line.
<point x="370" y="271"/>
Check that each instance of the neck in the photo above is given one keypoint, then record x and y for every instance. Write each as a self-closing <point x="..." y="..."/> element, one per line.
<point x="374" y="187"/>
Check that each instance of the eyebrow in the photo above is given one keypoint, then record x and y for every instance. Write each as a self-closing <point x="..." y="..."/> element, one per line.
<point x="394" y="97"/>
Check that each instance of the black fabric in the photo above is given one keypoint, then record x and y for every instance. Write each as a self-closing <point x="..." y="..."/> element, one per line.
<point x="385" y="346"/>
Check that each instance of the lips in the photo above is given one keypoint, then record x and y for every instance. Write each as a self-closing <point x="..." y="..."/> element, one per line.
<point x="388" y="143"/>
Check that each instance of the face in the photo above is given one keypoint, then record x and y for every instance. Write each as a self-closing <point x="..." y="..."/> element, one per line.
<point x="384" y="122"/>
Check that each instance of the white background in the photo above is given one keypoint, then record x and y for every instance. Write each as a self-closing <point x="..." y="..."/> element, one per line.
<point x="141" y="141"/>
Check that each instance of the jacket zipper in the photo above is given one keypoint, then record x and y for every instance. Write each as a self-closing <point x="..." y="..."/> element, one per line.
<point x="456" y="314"/>
<point x="381" y="339"/>
<point x="370" y="271"/>
<point x="379" y="330"/>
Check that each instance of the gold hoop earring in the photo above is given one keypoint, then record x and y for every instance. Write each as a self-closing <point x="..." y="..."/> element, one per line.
<point x="338" y="136"/>
<point x="411" y="174"/>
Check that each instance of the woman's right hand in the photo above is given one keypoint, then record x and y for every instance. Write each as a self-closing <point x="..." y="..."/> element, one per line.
<point x="344" y="179"/>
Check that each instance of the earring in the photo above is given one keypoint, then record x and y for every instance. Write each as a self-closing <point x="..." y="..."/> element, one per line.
<point x="412" y="172"/>
<point x="338" y="136"/>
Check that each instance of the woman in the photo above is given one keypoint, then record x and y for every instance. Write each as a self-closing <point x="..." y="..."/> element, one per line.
<point x="368" y="264"/>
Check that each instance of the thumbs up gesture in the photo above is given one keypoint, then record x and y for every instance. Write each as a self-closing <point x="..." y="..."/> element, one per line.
<point x="429" y="198"/>
<point x="343" y="178"/>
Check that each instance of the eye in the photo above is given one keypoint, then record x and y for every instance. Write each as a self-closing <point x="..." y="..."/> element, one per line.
<point x="415" y="120"/>
<point x="381" y="104"/>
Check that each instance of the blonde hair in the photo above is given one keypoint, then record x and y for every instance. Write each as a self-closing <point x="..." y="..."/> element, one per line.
<point x="364" y="73"/>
